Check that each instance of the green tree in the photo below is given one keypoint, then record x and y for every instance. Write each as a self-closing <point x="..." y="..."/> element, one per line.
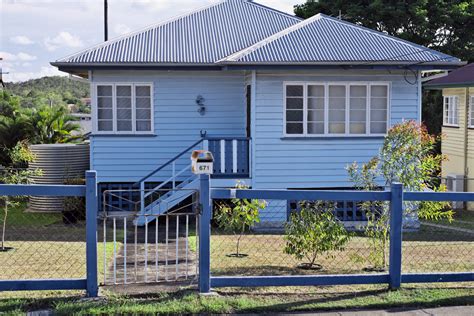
<point x="314" y="231"/>
<point x="54" y="125"/>
<point x="15" y="125"/>
<point x="407" y="156"/>
<point x="238" y="216"/>
<point x="438" y="24"/>
<point x="15" y="173"/>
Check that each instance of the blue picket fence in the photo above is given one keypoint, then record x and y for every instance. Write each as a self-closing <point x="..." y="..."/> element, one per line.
<point x="394" y="277"/>
<point x="89" y="191"/>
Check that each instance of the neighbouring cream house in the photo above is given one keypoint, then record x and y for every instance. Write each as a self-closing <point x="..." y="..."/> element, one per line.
<point x="458" y="127"/>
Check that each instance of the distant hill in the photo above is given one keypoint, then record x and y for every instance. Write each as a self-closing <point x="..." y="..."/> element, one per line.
<point x="56" y="90"/>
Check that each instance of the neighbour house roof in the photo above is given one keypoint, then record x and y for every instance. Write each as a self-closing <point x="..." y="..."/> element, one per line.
<point x="241" y="32"/>
<point x="462" y="77"/>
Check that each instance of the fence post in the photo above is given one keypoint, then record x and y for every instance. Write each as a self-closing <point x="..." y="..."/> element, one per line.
<point x="91" y="233"/>
<point x="204" y="234"/>
<point x="396" y="219"/>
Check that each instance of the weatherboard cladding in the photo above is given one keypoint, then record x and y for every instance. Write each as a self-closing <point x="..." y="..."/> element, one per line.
<point x="323" y="39"/>
<point x="204" y="36"/>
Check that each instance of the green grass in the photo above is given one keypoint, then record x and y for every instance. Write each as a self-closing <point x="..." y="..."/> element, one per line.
<point x="248" y="301"/>
<point x="17" y="217"/>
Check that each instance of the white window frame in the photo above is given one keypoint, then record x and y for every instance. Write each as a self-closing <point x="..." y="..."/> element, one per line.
<point x="471" y="109"/>
<point x="446" y="119"/>
<point x="95" y="124"/>
<point x="326" y="85"/>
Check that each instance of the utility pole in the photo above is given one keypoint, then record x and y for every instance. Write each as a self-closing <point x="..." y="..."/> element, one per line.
<point x="106" y="28"/>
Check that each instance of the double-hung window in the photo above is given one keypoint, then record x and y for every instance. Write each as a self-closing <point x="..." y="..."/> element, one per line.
<point x="333" y="109"/>
<point x="124" y="108"/>
<point x="450" y="111"/>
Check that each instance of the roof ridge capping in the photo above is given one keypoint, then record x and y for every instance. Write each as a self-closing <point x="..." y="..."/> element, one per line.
<point x="147" y="28"/>
<point x="247" y="51"/>
<point x="236" y="56"/>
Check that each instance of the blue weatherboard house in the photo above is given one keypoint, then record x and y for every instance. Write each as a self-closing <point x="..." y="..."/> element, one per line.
<point x="282" y="103"/>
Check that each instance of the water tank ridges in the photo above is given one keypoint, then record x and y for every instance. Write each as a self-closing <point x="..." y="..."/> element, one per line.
<point x="58" y="162"/>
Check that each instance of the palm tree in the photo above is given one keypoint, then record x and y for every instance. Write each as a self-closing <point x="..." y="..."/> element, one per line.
<point x="54" y="125"/>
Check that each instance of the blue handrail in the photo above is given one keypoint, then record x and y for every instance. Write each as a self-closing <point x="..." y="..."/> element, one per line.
<point x="168" y="162"/>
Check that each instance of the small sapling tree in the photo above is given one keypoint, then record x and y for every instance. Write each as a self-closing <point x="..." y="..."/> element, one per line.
<point x="238" y="216"/>
<point x="314" y="231"/>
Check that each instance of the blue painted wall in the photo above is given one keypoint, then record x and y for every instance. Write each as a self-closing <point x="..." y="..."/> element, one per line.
<point x="177" y="122"/>
<point x="310" y="163"/>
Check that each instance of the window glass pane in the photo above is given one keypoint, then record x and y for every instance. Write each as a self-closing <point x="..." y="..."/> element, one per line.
<point x="378" y="109"/>
<point x="357" y="109"/>
<point x="124" y="125"/>
<point x="124" y="103"/>
<point x="294" y="128"/>
<point x="143" y="126"/>
<point x="378" y="128"/>
<point x="316" y="91"/>
<point x="294" y="91"/>
<point x="357" y="128"/>
<point x="378" y="91"/>
<point x="124" y="114"/>
<point x="315" y="128"/>
<point x="104" y="91"/>
<point x="358" y="91"/>
<point x="292" y="116"/>
<point x="143" y="114"/>
<point x="105" y="114"/>
<point x="316" y="115"/>
<point x="124" y="91"/>
<point x="337" y="109"/>
<point x="104" y="102"/>
<point x="316" y="103"/>
<point x="142" y="91"/>
<point x="294" y="103"/>
<point x="143" y="103"/>
<point x="105" y="126"/>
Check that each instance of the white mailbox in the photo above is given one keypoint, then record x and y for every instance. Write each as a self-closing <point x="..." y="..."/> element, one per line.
<point x="202" y="162"/>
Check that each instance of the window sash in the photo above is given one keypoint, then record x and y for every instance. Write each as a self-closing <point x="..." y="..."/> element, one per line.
<point x="362" y="126"/>
<point x="451" y="111"/>
<point x="125" y="113"/>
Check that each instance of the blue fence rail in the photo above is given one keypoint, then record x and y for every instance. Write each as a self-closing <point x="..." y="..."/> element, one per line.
<point x="394" y="278"/>
<point x="89" y="191"/>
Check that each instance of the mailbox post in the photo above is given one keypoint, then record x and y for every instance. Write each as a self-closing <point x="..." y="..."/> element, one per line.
<point x="202" y="165"/>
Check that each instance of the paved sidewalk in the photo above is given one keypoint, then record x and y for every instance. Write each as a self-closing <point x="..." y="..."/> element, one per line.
<point x="440" y="311"/>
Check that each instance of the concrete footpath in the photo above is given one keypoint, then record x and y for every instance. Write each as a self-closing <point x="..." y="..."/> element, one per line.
<point x="440" y="311"/>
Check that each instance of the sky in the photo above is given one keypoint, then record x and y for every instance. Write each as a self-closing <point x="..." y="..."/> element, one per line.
<point x="35" y="32"/>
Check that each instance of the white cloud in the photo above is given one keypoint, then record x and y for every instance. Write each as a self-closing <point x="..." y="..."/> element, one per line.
<point x="14" y="76"/>
<point x="18" y="57"/>
<point x="21" y="40"/>
<point x="121" y="29"/>
<point x="63" y="39"/>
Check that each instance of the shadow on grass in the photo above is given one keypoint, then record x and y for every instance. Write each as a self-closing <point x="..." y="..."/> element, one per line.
<point x="249" y="301"/>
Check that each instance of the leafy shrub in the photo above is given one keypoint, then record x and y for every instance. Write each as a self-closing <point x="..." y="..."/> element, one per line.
<point x="314" y="231"/>
<point x="238" y="216"/>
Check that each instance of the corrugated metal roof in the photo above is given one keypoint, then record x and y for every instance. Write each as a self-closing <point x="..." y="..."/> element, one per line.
<point x="200" y="37"/>
<point x="462" y="77"/>
<point x="322" y="39"/>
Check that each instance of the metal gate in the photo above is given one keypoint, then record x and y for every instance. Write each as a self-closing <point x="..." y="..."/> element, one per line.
<point x="143" y="244"/>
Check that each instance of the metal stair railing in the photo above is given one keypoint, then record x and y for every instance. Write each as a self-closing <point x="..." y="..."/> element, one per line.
<point x="172" y="179"/>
